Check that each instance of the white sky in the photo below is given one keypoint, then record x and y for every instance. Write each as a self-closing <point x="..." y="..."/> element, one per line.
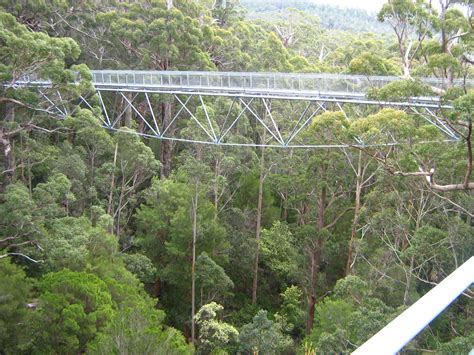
<point x="369" y="5"/>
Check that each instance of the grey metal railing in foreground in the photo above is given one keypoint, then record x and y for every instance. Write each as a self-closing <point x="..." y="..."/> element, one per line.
<point x="408" y="324"/>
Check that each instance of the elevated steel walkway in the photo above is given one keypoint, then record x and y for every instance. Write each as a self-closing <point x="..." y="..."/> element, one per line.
<point x="252" y="94"/>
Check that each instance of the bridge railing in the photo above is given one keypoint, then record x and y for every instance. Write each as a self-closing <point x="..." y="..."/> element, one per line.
<point x="250" y="81"/>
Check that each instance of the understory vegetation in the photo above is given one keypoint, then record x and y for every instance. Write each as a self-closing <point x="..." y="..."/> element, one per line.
<point x="111" y="243"/>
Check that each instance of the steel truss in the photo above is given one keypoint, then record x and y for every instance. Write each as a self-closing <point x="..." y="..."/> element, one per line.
<point x="255" y="97"/>
<point x="281" y="131"/>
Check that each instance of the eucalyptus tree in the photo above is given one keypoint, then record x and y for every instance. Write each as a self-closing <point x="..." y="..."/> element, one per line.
<point x="176" y="224"/>
<point x="133" y="165"/>
<point x="413" y="203"/>
<point x="13" y="313"/>
<point x="455" y="27"/>
<point x="214" y="334"/>
<point x="331" y="192"/>
<point x="21" y="226"/>
<point x="411" y="21"/>
<point x="38" y="55"/>
<point x="262" y="335"/>
<point x="459" y="121"/>
<point x="349" y="317"/>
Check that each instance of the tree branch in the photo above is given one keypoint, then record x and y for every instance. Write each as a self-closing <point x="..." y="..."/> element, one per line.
<point x="333" y="223"/>
<point x="22" y="255"/>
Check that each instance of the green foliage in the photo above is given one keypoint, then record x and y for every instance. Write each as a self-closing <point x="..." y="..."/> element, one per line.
<point x="262" y="336"/>
<point x="329" y="127"/>
<point x="406" y="13"/>
<point x="214" y="334"/>
<point x="349" y="317"/>
<point x="377" y="127"/>
<point x="14" y="293"/>
<point x="291" y="314"/>
<point x="457" y="345"/>
<point x="73" y="308"/>
<point x="400" y="90"/>
<point x="141" y="267"/>
<point x="66" y="243"/>
<point x="372" y="64"/>
<point x="17" y="214"/>
<point x="278" y="249"/>
<point x="331" y="17"/>
<point x="54" y="195"/>
<point x="72" y="195"/>
<point x="25" y="51"/>
<point x="211" y="278"/>
<point x="138" y="332"/>
<point x="463" y="107"/>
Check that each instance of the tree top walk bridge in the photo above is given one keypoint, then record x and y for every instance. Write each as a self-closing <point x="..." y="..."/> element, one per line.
<point x="126" y="93"/>
<point x="177" y="106"/>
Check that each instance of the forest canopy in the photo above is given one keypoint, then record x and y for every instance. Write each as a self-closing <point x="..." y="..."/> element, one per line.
<point x="115" y="243"/>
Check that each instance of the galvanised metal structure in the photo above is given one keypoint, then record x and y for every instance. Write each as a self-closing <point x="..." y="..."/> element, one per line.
<point x="256" y="96"/>
<point x="413" y="320"/>
<point x="253" y="95"/>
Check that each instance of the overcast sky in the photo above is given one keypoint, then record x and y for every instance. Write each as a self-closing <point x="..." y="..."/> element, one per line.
<point x="370" y="5"/>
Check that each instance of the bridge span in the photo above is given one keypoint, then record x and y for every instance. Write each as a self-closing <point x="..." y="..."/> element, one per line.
<point x="320" y="87"/>
<point x="255" y="96"/>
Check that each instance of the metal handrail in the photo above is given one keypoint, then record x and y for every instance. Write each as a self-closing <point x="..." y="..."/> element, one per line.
<point x="234" y="81"/>
<point x="249" y="80"/>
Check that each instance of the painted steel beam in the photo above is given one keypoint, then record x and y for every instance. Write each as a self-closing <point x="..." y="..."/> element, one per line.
<point x="413" y="320"/>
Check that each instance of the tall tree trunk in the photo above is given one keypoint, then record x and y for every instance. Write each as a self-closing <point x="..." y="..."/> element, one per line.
<point x="469" y="168"/>
<point x="9" y="159"/>
<point x="193" y="265"/>
<point x="316" y="254"/>
<point x="445" y="47"/>
<point x="355" y="221"/>
<point x="258" y="226"/>
<point x="112" y="187"/>
<point x="119" y="207"/>
<point x="166" y="145"/>
<point x="409" y="277"/>
<point x="216" y="187"/>
<point x="127" y="121"/>
<point x="5" y="141"/>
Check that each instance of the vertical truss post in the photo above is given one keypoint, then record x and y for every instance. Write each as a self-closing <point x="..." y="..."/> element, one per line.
<point x="103" y="108"/>
<point x="174" y="118"/>
<point x="261" y="122"/>
<point x="140" y="115"/>
<point x="195" y="119"/>
<point x="208" y="119"/>
<point x="321" y="107"/>
<point x="233" y="123"/>
<point x="152" y="112"/>
<point x="273" y="122"/>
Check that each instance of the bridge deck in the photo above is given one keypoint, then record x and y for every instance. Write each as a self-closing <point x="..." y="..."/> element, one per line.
<point x="320" y="92"/>
<point x="337" y="87"/>
<point x="298" y="86"/>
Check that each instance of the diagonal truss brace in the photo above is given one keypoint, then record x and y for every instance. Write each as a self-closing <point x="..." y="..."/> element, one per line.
<point x="286" y="138"/>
